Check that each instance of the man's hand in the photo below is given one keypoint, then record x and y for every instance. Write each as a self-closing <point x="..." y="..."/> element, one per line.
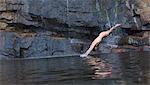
<point x="117" y="25"/>
<point x="114" y="27"/>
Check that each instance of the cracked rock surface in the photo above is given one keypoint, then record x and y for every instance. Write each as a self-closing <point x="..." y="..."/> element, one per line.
<point x="55" y="27"/>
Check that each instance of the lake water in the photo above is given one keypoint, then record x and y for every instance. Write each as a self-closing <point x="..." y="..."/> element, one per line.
<point x="103" y="69"/>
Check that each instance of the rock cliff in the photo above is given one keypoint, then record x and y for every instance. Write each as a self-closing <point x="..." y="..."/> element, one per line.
<point x="49" y="27"/>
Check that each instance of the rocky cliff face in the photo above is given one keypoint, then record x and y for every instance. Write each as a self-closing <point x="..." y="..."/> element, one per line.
<point x="49" y="27"/>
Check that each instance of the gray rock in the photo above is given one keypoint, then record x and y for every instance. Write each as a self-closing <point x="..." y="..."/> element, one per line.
<point x="44" y="27"/>
<point x="35" y="45"/>
<point x="85" y="13"/>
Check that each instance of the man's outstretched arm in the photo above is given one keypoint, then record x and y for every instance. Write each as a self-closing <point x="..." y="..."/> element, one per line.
<point x="98" y="39"/>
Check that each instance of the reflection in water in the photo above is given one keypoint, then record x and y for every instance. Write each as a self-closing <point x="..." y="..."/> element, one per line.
<point x="105" y="69"/>
<point x="100" y="67"/>
<point x="136" y="67"/>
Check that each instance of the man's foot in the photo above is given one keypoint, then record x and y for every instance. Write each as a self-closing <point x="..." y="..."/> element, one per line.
<point x="83" y="55"/>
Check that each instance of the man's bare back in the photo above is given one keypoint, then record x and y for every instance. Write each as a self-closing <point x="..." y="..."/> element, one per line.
<point x="99" y="39"/>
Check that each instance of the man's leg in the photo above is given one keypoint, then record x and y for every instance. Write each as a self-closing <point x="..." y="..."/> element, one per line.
<point x="94" y="43"/>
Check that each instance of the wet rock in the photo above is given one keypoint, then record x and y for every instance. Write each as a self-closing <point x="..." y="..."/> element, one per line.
<point x="36" y="45"/>
<point x="143" y="9"/>
<point x="146" y="48"/>
<point x="73" y="13"/>
<point x="125" y="48"/>
<point x="137" y="39"/>
<point x="129" y="48"/>
<point x="145" y="13"/>
<point x="3" y="25"/>
<point x="44" y="27"/>
<point x="106" y="48"/>
<point x="119" y="50"/>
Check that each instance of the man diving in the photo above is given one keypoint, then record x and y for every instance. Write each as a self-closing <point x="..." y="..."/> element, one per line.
<point x="99" y="39"/>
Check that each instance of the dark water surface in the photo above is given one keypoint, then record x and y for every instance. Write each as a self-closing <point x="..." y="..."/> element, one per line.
<point x="104" y="69"/>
